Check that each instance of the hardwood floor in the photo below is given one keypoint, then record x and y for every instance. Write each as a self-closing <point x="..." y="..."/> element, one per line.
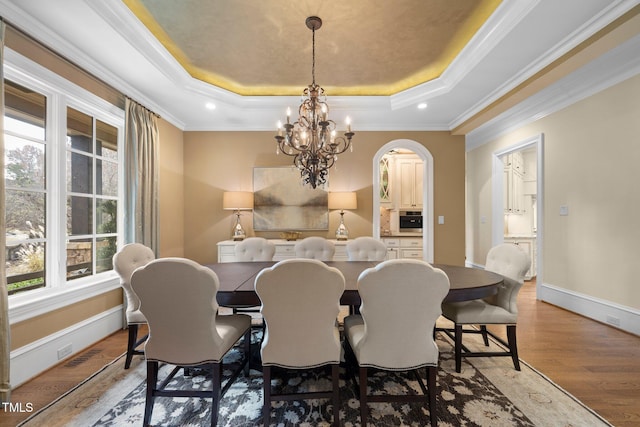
<point x="596" y="363"/>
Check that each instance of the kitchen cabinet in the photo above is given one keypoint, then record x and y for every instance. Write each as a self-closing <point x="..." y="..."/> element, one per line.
<point x="403" y="247"/>
<point x="401" y="178"/>
<point x="386" y="181"/>
<point x="410" y="172"/>
<point x="513" y="183"/>
<point x="527" y="244"/>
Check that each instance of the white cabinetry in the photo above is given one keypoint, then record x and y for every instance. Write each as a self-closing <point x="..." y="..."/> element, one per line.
<point x="401" y="181"/>
<point x="284" y="250"/>
<point x="513" y="183"/>
<point x="410" y="179"/>
<point x="386" y="181"/>
<point x="527" y="244"/>
<point x="403" y="247"/>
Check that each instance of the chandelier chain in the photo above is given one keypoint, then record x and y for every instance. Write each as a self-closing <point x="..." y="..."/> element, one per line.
<point x="313" y="57"/>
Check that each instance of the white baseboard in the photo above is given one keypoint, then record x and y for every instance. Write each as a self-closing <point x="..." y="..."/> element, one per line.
<point x="615" y="315"/>
<point x="36" y="357"/>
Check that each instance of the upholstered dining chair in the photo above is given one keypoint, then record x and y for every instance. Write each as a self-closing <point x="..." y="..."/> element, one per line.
<point x="125" y="262"/>
<point x="253" y="249"/>
<point x="366" y="248"/>
<point x="401" y="301"/>
<point x="300" y="303"/>
<point x="178" y="298"/>
<point x="315" y="247"/>
<point x="513" y="263"/>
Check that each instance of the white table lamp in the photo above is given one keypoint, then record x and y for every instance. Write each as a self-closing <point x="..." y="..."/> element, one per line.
<point x="237" y="201"/>
<point x="342" y="200"/>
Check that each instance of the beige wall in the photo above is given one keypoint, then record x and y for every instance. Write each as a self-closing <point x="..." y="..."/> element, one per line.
<point x="171" y="244"/>
<point x="591" y="153"/>
<point x="36" y="328"/>
<point x="215" y="162"/>
<point x="171" y="190"/>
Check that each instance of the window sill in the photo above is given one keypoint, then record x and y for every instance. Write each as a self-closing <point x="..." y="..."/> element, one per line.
<point x="42" y="301"/>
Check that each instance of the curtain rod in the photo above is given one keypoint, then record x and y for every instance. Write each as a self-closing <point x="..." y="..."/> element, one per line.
<point x="149" y="110"/>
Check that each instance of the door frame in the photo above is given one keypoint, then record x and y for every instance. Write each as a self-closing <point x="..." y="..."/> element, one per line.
<point x="497" y="200"/>
<point x="427" y="191"/>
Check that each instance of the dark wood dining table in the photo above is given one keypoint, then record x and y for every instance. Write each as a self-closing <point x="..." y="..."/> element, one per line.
<point x="237" y="281"/>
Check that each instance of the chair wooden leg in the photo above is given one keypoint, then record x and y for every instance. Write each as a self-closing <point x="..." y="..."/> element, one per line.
<point x="485" y="335"/>
<point x="513" y="345"/>
<point x="216" y="384"/>
<point x="247" y="352"/>
<point x="431" y="385"/>
<point x="363" y="397"/>
<point x="266" y="408"/>
<point x="458" y="346"/>
<point x="335" y="376"/>
<point x="152" y="381"/>
<point x="133" y="337"/>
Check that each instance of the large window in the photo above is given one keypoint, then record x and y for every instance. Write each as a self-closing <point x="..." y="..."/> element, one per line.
<point x="63" y="165"/>
<point x="26" y="187"/>
<point x="92" y="194"/>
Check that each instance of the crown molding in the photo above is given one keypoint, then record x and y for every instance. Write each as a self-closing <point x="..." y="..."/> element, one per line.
<point x="615" y="66"/>
<point x="609" y="14"/>
<point x="53" y="41"/>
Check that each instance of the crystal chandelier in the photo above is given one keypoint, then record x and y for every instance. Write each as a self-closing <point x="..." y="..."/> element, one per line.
<point x="312" y="139"/>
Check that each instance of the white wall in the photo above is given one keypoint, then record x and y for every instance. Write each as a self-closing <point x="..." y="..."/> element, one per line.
<point x="592" y="151"/>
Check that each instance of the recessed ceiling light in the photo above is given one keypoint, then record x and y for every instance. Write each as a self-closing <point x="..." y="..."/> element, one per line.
<point x="422" y="105"/>
<point x="210" y="105"/>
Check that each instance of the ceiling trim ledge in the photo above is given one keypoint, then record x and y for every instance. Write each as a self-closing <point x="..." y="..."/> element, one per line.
<point x="611" y="13"/>
<point x="505" y="18"/>
<point x="612" y="68"/>
<point x="41" y="32"/>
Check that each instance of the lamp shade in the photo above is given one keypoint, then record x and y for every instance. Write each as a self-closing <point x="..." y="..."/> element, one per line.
<point x="343" y="200"/>
<point x="237" y="200"/>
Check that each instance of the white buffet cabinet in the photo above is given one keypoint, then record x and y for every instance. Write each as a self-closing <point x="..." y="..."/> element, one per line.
<point x="284" y="250"/>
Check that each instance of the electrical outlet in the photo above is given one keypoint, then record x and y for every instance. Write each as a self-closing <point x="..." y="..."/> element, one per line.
<point x="612" y="320"/>
<point x="65" y="351"/>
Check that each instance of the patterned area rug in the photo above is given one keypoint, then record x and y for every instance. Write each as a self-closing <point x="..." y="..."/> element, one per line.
<point x="488" y="392"/>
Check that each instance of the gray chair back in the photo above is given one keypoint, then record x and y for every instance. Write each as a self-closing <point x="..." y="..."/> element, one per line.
<point x="315" y="248"/>
<point x="366" y="248"/>
<point x="300" y="304"/>
<point x="125" y="262"/>
<point x="401" y="301"/>
<point x="513" y="263"/>
<point x="255" y="249"/>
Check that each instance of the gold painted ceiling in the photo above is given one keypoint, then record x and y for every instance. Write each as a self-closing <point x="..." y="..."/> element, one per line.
<point x="254" y="47"/>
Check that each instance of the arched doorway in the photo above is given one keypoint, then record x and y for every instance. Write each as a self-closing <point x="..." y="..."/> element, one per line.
<point x="427" y="190"/>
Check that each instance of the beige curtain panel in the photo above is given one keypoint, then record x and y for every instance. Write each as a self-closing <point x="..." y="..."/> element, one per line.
<point x="5" y="344"/>
<point x="141" y="172"/>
